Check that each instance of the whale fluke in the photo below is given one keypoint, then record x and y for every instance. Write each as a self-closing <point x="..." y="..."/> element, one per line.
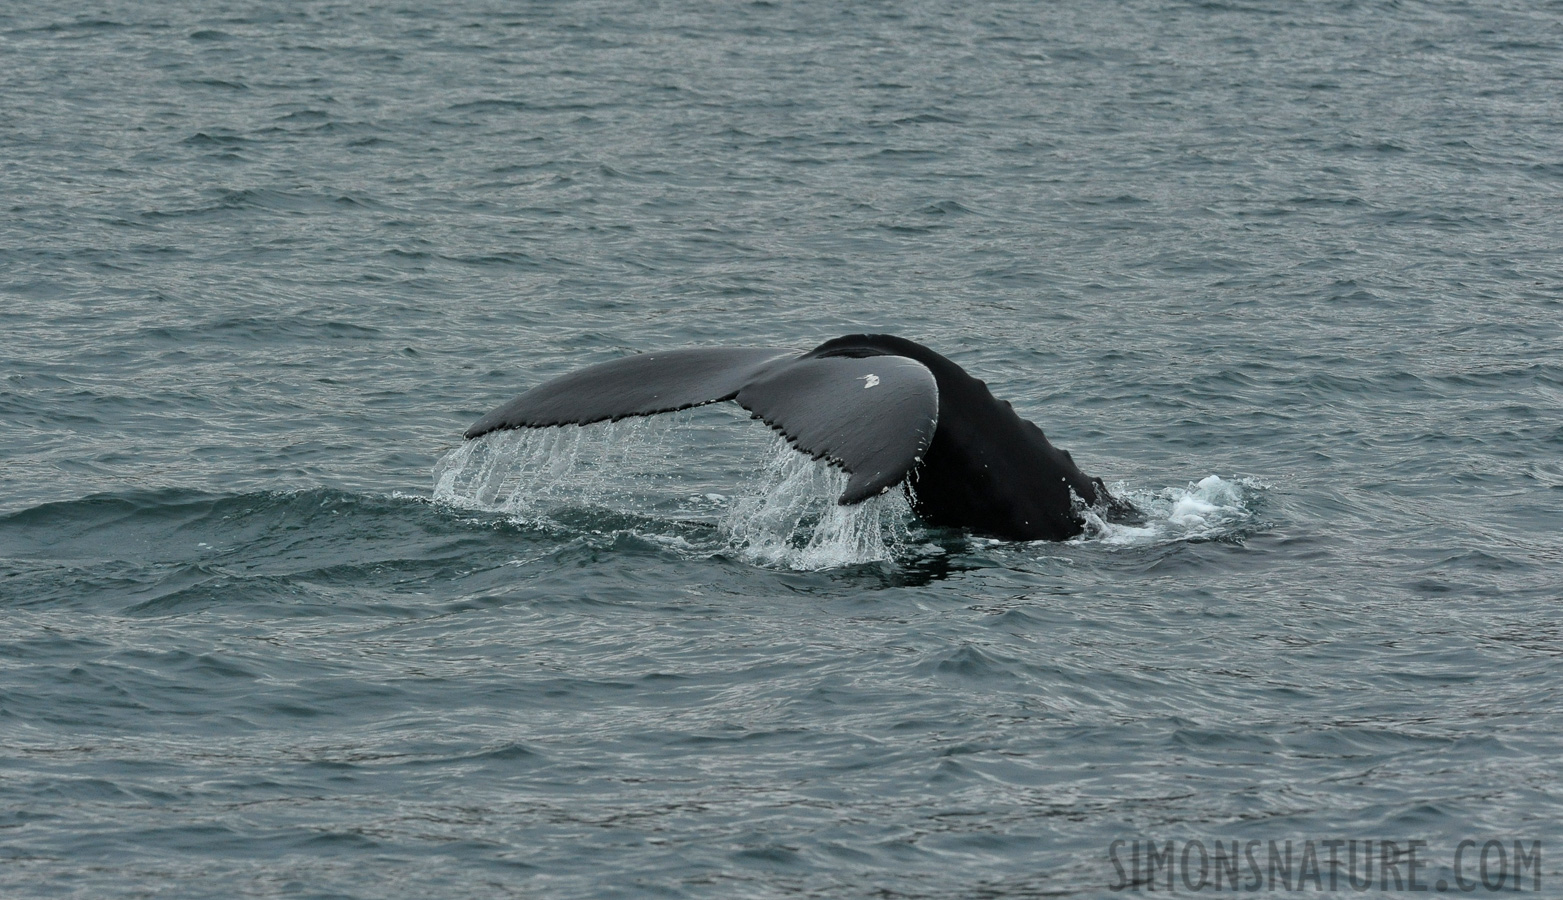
<point x="875" y="417"/>
<point x="887" y="410"/>
<point x="640" y="385"/>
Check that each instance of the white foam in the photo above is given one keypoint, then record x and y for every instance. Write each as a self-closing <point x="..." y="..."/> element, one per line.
<point x="1211" y="508"/>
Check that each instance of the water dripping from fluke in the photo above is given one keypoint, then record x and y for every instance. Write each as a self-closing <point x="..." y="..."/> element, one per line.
<point x="778" y="508"/>
<point x="789" y="517"/>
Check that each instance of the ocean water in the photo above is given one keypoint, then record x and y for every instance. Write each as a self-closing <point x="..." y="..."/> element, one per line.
<point x="1285" y="274"/>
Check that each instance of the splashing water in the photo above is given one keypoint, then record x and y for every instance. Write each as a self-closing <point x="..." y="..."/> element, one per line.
<point x="785" y="516"/>
<point x="789" y="517"/>
<point x="1210" y="509"/>
<point x="782" y="511"/>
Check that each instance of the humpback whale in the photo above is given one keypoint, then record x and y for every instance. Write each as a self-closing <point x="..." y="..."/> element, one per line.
<point x="886" y="410"/>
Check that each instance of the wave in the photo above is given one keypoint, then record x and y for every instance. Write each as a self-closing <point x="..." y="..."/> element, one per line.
<point x="174" y="550"/>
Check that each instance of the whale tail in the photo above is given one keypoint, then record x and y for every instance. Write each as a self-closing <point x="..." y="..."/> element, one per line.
<point x="885" y="409"/>
<point x="872" y="416"/>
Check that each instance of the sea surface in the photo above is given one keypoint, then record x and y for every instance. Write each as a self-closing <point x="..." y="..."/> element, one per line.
<point x="1288" y="275"/>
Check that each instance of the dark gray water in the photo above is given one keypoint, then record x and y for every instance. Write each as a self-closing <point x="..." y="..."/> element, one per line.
<point x="1287" y="274"/>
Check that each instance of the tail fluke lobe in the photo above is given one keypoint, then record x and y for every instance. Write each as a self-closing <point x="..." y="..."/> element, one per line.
<point x="873" y="416"/>
<point x="641" y="385"/>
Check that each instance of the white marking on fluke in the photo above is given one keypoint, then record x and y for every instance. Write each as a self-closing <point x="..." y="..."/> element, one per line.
<point x="869" y="381"/>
